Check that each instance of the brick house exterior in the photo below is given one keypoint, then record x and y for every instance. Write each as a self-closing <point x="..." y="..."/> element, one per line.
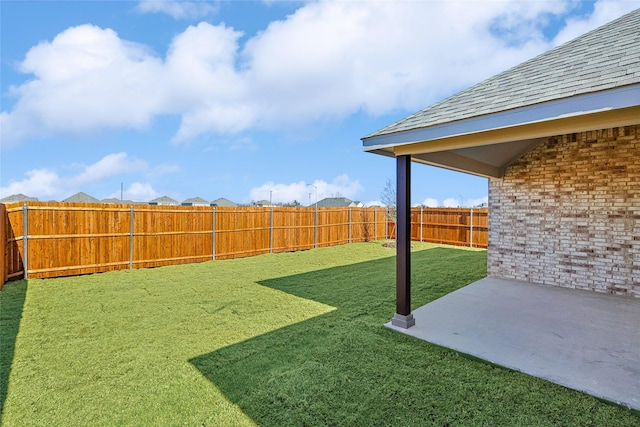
<point x="568" y="213"/>
<point x="558" y="138"/>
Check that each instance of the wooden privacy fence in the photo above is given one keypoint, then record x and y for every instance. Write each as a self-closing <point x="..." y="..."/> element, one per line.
<point x="47" y="239"/>
<point x="450" y="226"/>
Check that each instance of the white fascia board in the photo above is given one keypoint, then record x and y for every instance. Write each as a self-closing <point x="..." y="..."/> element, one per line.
<point x="612" y="99"/>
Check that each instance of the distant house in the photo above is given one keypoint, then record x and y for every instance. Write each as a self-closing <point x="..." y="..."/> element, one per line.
<point x="117" y="201"/>
<point x="195" y="201"/>
<point x="16" y="198"/>
<point x="223" y="202"/>
<point x="81" y="198"/>
<point x="374" y="205"/>
<point x="263" y="203"/>
<point x="338" y="202"/>
<point x="164" y="201"/>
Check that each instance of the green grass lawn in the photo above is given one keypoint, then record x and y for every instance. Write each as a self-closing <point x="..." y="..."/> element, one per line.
<point x="289" y="339"/>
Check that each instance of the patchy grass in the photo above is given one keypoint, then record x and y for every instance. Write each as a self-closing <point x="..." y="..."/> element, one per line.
<point x="288" y="339"/>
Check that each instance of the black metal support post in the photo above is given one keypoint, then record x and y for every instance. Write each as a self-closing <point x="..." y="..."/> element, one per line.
<point x="403" y="317"/>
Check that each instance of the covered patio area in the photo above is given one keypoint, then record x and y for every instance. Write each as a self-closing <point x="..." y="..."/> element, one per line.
<point x="558" y="138"/>
<point x="582" y="340"/>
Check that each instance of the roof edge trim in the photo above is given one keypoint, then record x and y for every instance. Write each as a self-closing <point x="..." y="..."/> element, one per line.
<point x="575" y="123"/>
<point x="580" y="105"/>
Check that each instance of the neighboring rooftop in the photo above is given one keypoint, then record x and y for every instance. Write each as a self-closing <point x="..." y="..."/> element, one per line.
<point x="195" y="201"/>
<point x="223" y="202"/>
<point x="337" y="202"/>
<point x="118" y="201"/>
<point x="81" y="198"/>
<point x="164" y="200"/>
<point x="15" y="198"/>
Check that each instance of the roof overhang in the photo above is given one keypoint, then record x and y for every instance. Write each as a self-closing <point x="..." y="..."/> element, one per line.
<point x="486" y="145"/>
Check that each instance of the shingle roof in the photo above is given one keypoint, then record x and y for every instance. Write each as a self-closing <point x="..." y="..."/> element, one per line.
<point x="194" y="201"/>
<point x="117" y="201"/>
<point x="334" y="202"/>
<point x="81" y="198"/>
<point x="223" y="202"/>
<point x="164" y="200"/>
<point x="605" y="58"/>
<point x="18" y="198"/>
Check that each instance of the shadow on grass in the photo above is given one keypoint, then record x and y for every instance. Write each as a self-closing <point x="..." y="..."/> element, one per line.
<point x="12" y="299"/>
<point x="344" y="367"/>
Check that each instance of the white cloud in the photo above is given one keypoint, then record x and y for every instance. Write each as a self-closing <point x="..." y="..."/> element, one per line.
<point x="304" y="193"/>
<point x="451" y="203"/>
<point x="48" y="184"/>
<point x="604" y="11"/>
<point x="203" y="84"/>
<point x="326" y="61"/>
<point x="334" y="58"/>
<point x="476" y="202"/>
<point x="138" y="192"/>
<point x="86" y="80"/>
<point x="109" y="165"/>
<point x="280" y="193"/>
<point x="41" y="183"/>
<point x="430" y="202"/>
<point x="178" y="9"/>
<point x="522" y="23"/>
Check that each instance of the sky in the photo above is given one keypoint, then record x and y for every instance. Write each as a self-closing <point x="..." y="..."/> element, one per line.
<point x="249" y="100"/>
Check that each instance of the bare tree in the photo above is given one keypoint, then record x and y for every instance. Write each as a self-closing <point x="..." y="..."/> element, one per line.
<point x="388" y="197"/>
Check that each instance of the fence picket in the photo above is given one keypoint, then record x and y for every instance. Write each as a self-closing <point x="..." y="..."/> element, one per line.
<point x="4" y="239"/>
<point x="25" y="242"/>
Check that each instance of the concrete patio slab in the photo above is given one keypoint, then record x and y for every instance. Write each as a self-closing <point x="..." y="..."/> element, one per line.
<point x="582" y="340"/>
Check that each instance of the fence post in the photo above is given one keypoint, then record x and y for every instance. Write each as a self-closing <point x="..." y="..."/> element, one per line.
<point x="315" y="227"/>
<point x="213" y="234"/>
<point x="25" y="240"/>
<point x="130" y="237"/>
<point x="271" y="231"/>
<point x="471" y="232"/>
<point x="421" y="223"/>
<point x="375" y="225"/>
<point x="349" y="226"/>
<point x="386" y="223"/>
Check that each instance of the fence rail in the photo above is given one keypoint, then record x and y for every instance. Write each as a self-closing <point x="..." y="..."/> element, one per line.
<point x="46" y="239"/>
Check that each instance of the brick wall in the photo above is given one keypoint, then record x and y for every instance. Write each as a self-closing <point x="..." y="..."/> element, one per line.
<point x="568" y="213"/>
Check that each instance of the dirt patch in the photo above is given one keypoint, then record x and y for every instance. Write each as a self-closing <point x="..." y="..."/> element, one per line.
<point x="391" y="244"/>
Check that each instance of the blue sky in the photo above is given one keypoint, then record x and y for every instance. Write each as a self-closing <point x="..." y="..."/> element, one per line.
<point x="248" y="99"/>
